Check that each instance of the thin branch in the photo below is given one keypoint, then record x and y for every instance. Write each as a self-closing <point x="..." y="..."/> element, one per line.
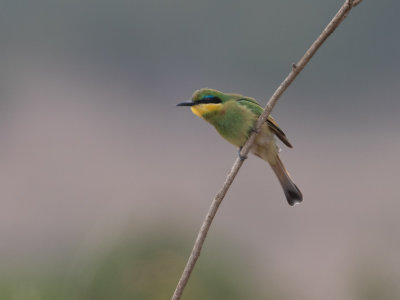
<point x="296" y="69"/>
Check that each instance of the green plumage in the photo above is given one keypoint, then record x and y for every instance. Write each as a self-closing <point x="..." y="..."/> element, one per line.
<point x="234" y="116"/>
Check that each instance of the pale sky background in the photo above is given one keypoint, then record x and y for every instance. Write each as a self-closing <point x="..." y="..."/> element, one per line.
<point x="91" y="140"/>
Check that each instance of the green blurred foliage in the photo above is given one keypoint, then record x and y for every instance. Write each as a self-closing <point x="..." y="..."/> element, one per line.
<point x="148" y="266"/>
<point x="139" y="268"/>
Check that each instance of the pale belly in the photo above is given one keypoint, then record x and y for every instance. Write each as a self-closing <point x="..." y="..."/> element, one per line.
<point x="264" y="146"/>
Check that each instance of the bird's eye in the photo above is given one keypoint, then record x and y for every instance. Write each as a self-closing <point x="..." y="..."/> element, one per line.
<point x="210" y="99"/>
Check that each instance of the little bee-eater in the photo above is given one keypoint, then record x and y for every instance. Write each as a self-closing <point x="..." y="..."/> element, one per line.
<point x="234" y="117"/>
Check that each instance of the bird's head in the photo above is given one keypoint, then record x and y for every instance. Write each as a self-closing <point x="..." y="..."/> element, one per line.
<point x="207" y="100"/>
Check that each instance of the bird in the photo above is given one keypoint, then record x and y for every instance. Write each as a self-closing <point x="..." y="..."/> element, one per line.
<point x="234" y="117"/>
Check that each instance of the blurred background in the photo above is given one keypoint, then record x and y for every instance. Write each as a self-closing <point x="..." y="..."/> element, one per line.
<point x="104" y="182"/>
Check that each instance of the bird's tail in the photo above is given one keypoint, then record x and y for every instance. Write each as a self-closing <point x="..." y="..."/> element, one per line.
<point x="292" y="192"/>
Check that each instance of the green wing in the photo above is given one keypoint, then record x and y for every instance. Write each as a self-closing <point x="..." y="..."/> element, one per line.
<point x="253" y="105"/>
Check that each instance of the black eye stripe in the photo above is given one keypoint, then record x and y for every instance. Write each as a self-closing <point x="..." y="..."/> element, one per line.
<point x="209" y="99"/>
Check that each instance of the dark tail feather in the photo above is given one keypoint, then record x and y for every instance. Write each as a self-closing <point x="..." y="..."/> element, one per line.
<point x="292" y="192"/>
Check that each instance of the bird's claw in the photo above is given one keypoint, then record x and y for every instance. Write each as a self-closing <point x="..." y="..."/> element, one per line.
<point x="241" y="157"/>
<point x="255" y="130"/>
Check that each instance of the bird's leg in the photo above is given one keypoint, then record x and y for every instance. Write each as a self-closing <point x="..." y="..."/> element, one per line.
<point x="254" y="130"/>
<point x="241" y="157"/>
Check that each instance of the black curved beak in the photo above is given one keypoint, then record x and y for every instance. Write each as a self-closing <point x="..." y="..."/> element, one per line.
<point x="186" y="103"/>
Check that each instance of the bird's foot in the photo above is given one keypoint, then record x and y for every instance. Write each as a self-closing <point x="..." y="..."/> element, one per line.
<point x="255" y="130"/>
<point x="241" y="157"/>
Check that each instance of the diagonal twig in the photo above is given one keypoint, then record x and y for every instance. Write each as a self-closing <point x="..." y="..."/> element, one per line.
<point x="296" y="69"/>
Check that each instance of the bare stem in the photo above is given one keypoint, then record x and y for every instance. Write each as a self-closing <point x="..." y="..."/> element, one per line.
<point x="296" y="69"/>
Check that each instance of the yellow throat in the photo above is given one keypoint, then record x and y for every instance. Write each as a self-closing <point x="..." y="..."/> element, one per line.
<point x="200" y="109"/>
